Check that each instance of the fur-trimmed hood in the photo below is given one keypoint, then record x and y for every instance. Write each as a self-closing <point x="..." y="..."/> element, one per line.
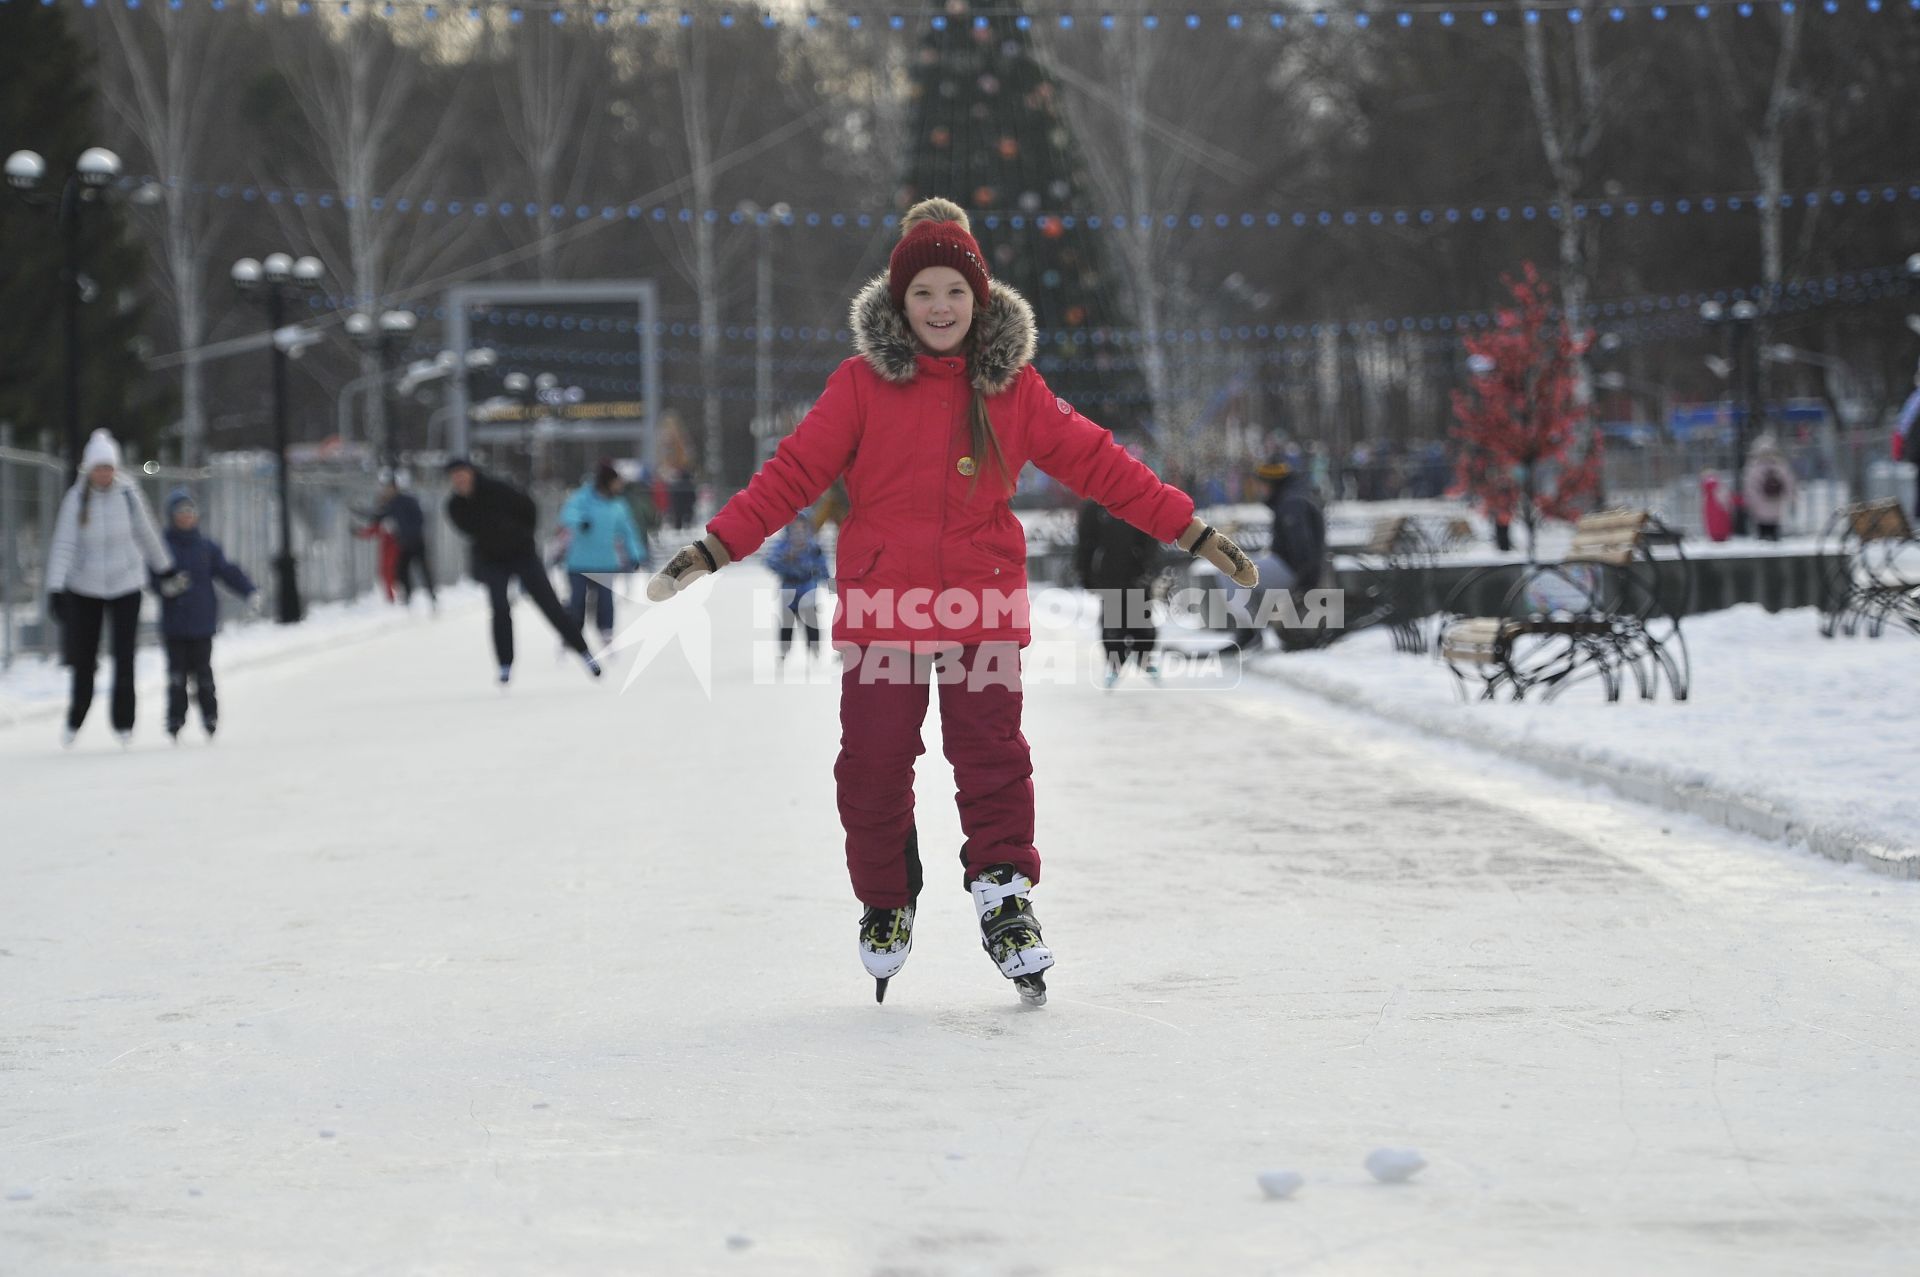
<point x="1003" y="338"/>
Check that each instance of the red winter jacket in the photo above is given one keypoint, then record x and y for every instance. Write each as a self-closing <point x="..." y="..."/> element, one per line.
<point x="922" y="558"/>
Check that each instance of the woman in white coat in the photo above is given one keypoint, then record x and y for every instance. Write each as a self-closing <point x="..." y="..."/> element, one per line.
<point x="104" y="545"/>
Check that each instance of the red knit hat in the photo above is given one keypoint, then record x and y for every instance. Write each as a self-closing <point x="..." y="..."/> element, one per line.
<point x="937" y="243"/>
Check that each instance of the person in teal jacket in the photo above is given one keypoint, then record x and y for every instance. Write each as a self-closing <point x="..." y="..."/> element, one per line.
<point x="602" y="540"/>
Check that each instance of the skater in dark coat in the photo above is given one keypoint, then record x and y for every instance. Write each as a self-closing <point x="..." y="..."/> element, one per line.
<point x="400" y="516"/>
<point x="1297" y="560"/>
<point x="1299" y="526"/>
<point x="499" y="520"/>
<point x="1116" y="561"/>
<point x="931" y="422"/>
<point x="189" y="619"/>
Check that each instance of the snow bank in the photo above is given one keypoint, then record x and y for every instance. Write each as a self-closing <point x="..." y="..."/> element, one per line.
<point x="1820" y="730"/>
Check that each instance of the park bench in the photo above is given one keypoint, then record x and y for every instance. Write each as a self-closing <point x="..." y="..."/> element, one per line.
<point x="1595" y="613"/>
<point x="1872" y="573"/>
<point x="1395" y="564"/>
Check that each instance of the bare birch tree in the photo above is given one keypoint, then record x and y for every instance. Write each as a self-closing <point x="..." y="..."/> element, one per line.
<point x="158" y="87"/>
<point x="1570" y="113"/>
<point x="1142" y="112"/>
<point x="376" y="138"/>
<point x="1764" y="129"/>
<point x="556" y="78"/>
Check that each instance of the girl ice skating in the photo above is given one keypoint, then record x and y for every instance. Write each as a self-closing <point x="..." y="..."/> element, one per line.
<point x="930" y="422"/>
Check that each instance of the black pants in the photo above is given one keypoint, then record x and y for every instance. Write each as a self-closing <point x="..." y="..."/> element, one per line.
<point x="581" y="589"/>
<point x="1126" y="644"/>
<point x="86" y="617"/>
<point x="789" y="606"/>
<point x="1126" y="626"/>
<point x="190" y="664"/>
<point x="495" y="574"/>
<point x="403" y="571"/>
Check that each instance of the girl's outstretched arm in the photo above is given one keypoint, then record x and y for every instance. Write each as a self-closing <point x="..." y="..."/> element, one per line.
<point x="805" y="464"/>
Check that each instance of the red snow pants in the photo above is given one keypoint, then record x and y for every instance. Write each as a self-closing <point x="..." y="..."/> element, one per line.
<point x="884" y="693"/>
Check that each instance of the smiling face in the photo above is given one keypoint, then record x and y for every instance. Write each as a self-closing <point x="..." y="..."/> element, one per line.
<point x="939" y="309"/>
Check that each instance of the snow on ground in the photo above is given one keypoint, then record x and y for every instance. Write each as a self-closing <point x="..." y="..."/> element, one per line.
<point x="407" y="975"/>
<point x="1821" y="728"/>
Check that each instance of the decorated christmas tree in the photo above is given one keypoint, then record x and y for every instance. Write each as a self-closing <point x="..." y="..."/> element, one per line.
<point x="1526" y="447"/>
<point x="989" y="134"/>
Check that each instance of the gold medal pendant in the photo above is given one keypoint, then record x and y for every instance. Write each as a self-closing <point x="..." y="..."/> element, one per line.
<point x="965" y="466"/>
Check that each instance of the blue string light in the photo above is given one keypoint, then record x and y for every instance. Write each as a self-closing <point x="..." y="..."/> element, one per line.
<point x="1681" y="310"/>
<point x="1737" y="202"/>
<point x="1190" y="20"/>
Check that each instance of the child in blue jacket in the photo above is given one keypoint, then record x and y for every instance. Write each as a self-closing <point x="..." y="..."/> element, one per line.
<point x="796" y="558"/>
<point x="189" y="618"/>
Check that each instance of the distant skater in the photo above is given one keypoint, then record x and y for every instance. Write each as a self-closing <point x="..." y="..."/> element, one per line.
<point x="499" y="520"/>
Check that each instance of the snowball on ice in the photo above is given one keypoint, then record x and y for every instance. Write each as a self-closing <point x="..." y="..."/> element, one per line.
<point x="1280" y="1184"/>
<point x="1394" y="1165"/>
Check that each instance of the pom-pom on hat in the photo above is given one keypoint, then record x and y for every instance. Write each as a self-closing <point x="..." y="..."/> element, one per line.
<point x="936" y="232"/>
<point x="101" y="450"/>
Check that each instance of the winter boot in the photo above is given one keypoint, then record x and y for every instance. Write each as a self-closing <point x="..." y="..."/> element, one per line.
<point x="1009" y="930"/>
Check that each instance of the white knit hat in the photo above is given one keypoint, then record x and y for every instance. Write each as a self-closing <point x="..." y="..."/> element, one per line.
<point x="101" y="450"/>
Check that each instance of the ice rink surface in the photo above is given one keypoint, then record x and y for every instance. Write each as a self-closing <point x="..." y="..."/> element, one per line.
<point x="408" y="976"/>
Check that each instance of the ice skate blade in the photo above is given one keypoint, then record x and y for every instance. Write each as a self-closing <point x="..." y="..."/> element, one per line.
<point x="880" y="988"/>
<point x="1032" y="990"/>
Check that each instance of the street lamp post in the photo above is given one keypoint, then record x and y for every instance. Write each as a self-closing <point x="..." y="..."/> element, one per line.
<point x="269" y="280"/>
<point x="1743" y="383"/>
<point x="92" y="176"/>
<point x="383" y="335"/>
<point x="763" y="219"/>
<point x="446" y="364"/>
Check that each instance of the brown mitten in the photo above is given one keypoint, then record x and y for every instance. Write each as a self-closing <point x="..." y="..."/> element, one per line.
<point x="1202" y="541"/>
<point x="683" y="569"/>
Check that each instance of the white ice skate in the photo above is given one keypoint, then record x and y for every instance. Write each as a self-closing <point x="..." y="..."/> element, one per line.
<point x="886" y="938"/>
<point x="1010" y="931"/>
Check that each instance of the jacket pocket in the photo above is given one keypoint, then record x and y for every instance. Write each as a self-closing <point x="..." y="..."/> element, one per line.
<point x="1000" y="554"/>
<point x="858" y="565"/>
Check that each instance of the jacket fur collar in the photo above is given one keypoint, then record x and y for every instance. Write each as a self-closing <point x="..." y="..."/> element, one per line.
<point x="1003" y="338"/>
